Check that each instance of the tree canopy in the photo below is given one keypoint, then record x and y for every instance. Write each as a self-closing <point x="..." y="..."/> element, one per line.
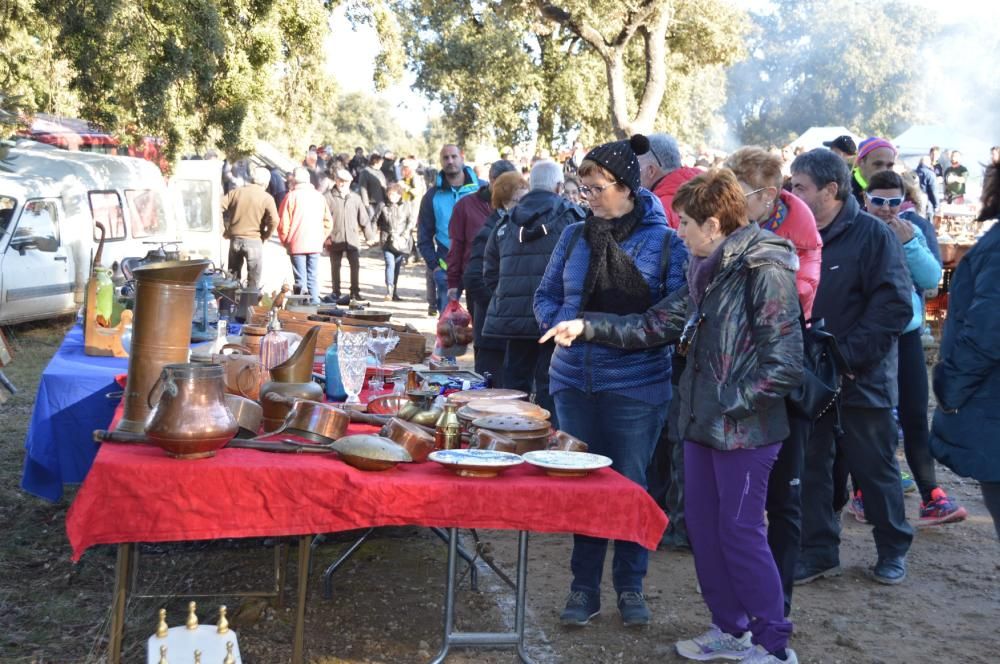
<point x="194" y="73"/>
<point x="506" y="69"/>
<point x="829" y="62"/>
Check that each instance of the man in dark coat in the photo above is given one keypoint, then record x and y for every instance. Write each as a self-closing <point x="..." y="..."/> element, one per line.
<point x="372" y="183"/>
<point x="517" y="254"/>
<point x="864" y="297"/>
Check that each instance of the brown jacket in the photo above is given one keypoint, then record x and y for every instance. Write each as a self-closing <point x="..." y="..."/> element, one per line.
<point x="249" y="212"/>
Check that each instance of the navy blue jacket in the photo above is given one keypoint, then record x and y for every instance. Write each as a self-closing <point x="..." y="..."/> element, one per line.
<point x="592" y="367"/>
<point x="517" y="254"/>
<point x="967" y="378"/>
<point x="928" y="183"/>
<point x="864" y="297"/>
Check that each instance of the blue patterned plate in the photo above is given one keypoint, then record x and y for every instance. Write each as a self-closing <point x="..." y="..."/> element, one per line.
<point x="561" y="463"/>
<point x="476" y="463"/>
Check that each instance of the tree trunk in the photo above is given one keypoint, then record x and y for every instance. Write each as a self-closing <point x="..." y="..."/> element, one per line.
<point x="614" y="65"/>
<point x="550" y="60"/>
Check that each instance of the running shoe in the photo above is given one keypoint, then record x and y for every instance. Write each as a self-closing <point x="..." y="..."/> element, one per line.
<point x="715" y="644"/>
<point x="940" y="509"/>
<point x="761" y="656"/>
<point x="581" y="607"/>
<point x="909" y="485"/>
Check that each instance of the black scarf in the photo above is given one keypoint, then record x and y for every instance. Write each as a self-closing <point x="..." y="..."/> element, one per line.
<point x="613" y="283"/>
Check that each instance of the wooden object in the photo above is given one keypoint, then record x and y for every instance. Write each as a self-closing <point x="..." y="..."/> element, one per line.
<point x="412" y="348"/>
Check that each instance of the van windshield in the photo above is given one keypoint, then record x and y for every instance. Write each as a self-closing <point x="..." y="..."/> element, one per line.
<point x="7" y="206"/>
<point x="196" y="201"/>
<point x="145" y="208"/>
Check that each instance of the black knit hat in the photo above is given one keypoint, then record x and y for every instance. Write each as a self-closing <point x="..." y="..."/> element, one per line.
<point x="619" y="158"/>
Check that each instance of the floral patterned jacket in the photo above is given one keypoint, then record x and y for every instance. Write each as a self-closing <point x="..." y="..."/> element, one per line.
<point x="744" y="345"/>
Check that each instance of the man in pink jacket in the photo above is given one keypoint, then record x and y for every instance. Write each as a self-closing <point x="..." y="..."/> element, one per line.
<point x="303" y="223"/>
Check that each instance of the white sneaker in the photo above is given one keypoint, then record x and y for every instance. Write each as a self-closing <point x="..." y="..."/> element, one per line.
<point x="716" y="644"/>
<point x="761" y="656"/>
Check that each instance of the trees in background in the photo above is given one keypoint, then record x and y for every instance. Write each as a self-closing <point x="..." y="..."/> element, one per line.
<point x="506" y="70"/>
<point x="830" y="62"/>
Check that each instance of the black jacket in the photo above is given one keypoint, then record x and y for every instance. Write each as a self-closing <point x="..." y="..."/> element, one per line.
<point x="397" y="223"/>
<point x="517" y="254"/>
<point x="864" y="296"/>
<point x="745" y="343"/>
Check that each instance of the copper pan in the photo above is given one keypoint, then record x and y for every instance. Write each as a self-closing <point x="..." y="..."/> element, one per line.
<point x="318" y="422"/>
<point x="561" y="440"/>
<point x="161" y="331"/>
<point x="413" y="437"/>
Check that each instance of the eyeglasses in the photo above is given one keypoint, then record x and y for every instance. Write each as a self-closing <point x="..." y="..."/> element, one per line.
<point x="880" y="201"/>
<point x="689" y="333"/>
<point x="586" y="191"/>
<point x="755" y="191"/>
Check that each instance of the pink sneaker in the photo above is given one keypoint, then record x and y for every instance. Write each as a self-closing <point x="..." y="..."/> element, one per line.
<point x="940" y="509"/>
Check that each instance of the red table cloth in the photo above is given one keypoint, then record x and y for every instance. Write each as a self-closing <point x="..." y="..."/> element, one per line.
<point x="136" y="493"/>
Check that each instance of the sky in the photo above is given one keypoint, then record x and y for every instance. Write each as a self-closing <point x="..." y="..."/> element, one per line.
<point x="412" y="110"/>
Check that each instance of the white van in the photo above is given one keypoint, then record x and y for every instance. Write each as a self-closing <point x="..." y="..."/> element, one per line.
<point x="50" y="201"/>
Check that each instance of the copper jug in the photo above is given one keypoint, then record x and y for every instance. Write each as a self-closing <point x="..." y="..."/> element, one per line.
<point x="190" y="419"/>
<point x="161" y="331"/>
<point x="291" y="380"/>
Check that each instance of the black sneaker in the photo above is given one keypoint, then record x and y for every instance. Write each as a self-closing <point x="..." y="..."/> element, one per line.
<point x="432" y="312"/>
<point x="806" y="573"/>
<point x="632" y="606"/>
<point x="890" y="571"/>
<point x="581" y="606"/>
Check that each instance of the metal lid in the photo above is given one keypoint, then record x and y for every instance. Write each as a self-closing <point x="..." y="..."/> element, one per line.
<point x="510" y="423"/>
<point x="486" y="407"/>
<point x="465" y="396"/>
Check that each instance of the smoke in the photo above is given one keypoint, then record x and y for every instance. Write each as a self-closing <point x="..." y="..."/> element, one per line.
<point x="962" y="89"/>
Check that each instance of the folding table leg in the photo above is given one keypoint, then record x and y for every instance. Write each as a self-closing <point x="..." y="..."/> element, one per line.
<point x="298" y="643"/>
<point x="123" y="574"/>
<point x="328" y="574"/>
<point x="466" y="556"/>
<point x="513" y="639"/>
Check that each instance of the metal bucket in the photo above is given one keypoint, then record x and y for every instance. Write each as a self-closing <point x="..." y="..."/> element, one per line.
<point x="161" y="331"/>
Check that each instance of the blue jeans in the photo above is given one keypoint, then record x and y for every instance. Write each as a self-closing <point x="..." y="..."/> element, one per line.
<point x="305" y="270"/>
<point x="625" y="430"/>
<point x="437" y="289"/>
<point x="393" y="266"/>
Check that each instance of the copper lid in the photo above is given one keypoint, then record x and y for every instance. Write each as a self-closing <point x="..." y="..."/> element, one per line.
<point x="485" y="407"/>
<point x="465" y="396"/>
<point x="510" y="423"/>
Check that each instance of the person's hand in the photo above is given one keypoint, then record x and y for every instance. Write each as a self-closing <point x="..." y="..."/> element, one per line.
<point x="452" y="293"/>
<point x="564" y="333"/>
<point x="902" y="228"/>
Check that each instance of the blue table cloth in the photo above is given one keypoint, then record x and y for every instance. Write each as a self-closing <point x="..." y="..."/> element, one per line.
<point x="71" y="403"/>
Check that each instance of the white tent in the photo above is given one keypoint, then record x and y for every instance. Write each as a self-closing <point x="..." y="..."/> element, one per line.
<point x="918" y="139"/>
<point x="815" y="136"/>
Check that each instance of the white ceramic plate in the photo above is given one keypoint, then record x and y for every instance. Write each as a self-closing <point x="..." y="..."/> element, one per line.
<point x="569" y="464"/>
<point x="476" y="463"/>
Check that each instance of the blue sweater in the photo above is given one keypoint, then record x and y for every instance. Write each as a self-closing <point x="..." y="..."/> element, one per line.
<point x="925" y="270"/>
<point x="644" y="374"/>
<point x="435" y="214"/>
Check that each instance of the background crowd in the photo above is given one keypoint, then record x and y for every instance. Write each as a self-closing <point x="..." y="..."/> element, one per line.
<point x="675" y="298"/>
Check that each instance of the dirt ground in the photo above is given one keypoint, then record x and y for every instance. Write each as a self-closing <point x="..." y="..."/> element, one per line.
<point x="387" y="599"/>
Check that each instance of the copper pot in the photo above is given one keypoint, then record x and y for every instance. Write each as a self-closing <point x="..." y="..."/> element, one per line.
<point x="318" y="422"/>
<point x="484" y="439"/>
<point x="189" y="418"/>
<point x="161" y="331"/>
<point x="560" y="440"/>
<point x="277" y="400"/>
<point x="414" y="438"/>
<point x="244" y="373"/>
